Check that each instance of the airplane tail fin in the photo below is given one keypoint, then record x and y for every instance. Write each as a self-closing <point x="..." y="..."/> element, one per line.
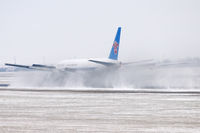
<point x="115" y="47"/>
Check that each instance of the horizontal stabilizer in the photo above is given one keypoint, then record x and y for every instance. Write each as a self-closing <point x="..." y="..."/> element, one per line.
<point x="102" y="62"/>
<point x="150" y="61"/>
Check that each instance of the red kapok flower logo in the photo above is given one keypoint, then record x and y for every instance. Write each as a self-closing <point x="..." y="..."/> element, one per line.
<point x="115" y="45"/>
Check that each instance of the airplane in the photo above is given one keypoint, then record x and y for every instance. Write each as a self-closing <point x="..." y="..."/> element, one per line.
<point x="74" y="65"/>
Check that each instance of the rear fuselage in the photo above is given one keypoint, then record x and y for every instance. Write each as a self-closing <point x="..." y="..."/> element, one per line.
<point x="85" y="64"/>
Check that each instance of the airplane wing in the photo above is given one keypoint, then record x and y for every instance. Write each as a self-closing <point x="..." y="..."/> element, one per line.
<point x="33" y="67"/>
<point x="41" y="67"/>
<point x="16" y="65"/>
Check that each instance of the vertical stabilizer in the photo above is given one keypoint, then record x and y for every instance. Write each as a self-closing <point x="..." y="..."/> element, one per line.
<point x="115" y="47"/>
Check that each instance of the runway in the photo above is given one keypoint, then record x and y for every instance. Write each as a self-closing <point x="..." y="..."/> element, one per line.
<point x="89" y="111"/>
<point x="83" y="109"/>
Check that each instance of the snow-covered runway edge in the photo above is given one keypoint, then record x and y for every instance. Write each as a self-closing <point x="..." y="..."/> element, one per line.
<point x="101" y="90"/>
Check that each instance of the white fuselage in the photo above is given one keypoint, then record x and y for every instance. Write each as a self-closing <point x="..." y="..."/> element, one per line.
<point x="83" y="64"/>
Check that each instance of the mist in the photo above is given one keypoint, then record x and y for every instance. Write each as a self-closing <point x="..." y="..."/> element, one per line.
<point x="132" y="77"/>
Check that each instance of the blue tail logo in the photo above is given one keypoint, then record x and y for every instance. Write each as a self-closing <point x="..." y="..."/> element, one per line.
<point x="115" y="47"/>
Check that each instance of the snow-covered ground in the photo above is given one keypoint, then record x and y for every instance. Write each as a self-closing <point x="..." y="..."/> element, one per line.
<point x="25" y="111"/>
<point x="148" y="100"/>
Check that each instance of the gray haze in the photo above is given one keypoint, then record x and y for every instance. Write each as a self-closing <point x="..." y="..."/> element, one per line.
<point x="47" y="31"/>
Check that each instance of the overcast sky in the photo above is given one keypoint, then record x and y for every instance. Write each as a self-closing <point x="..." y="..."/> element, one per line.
<point x="48" y="31"/>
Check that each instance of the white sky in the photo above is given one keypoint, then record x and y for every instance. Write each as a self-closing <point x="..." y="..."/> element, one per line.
<point x="38" y="31"/>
